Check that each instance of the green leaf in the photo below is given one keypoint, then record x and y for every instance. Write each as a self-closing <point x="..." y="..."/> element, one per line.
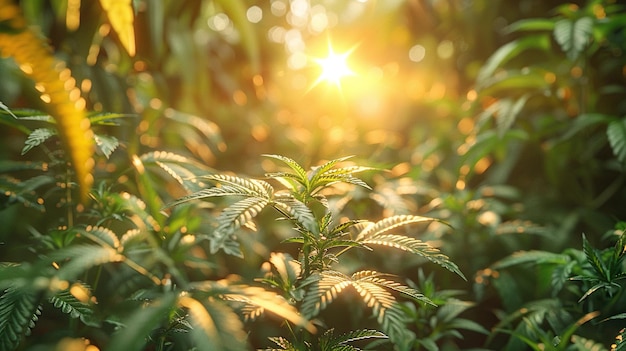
<point x="385" y="309"/>
<point x="235" y="216"/>
<point x="19" y="310"/>
<point x="106" y="144"/>
<point x="283" y="343"/>
<point x="102" y="236"/>
<point x="616" y="133"/>
<point x="360" y="335"/>
<point x="140" y="323"/>
<point x="300" y="174"/>
<point x="573" y="35"/>
<point x="378" y="279"/>
<point x="36" y="138"/>
<point x="184" y="170"/>
<point x="414" y="246"/>
<point x="530" y="24"/>
<point x="323" y="291"/>
<point x="297" y="211"/>
<point x="594" y="258"/>
<point x="372" y="230"/>
<point x="5" y="108"/>
<point x="508" y="52"/>
<point x="75" y="308"/>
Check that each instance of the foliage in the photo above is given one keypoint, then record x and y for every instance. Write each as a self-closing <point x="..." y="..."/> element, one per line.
<point x="130" y="129"/>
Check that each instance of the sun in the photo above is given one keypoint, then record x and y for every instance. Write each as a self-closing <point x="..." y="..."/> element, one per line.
<point x="334" y="67"/>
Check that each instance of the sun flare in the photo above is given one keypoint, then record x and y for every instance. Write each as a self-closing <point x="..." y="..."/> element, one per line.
<point x="334" y="67"/>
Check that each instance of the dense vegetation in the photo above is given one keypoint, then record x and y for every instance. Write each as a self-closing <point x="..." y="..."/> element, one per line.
<point x="192" y="175"/>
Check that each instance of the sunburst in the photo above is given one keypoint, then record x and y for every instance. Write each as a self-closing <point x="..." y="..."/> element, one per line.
<point x="334" y="67"/>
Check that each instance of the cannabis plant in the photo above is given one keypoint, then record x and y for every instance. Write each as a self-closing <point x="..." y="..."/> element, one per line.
<point x="315" y="279"/>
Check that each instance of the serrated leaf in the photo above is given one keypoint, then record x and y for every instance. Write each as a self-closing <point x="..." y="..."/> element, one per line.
<point x="70" y="305"/>
<point x="388" y="224"/>
<point x="300" y="174"/>
<point x="573" y="35"/>
<point x="616" y="133"/>
<point x="356" y="335"/>
<point x="19" y="309"/>
<point x="323" y="291"/>
<point x="106" y="144"/>
<point x="101" y="235"/>
<point x="234" y="217"/>
<point x="378" y="279"/>
<point x="36" y="138"/>
<point x="255" y="187"/>
<point x="414" y="246"/>
<point x="297" y="211"/>
<point x="594" y="258"/>
<point x="385" y="309"/>
<point x="184" y="170"/>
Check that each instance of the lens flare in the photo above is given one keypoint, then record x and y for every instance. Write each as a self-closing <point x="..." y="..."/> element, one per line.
<point x="333" y="67"/>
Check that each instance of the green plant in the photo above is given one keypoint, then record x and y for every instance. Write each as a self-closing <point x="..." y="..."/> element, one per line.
<point x="568" y="306"/>
<point x="312" y="281"/>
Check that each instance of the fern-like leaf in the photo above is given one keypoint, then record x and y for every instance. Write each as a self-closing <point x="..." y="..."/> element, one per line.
<point x="356" y="335"/>
<point x="616" y="133"/>
<point x="75" y="308"/>
<point x="414" y="246"/>
<point x="388" y="224"/>
<point x="323" y="292"/>
<point x="594" y="258"/>
<point x="36" y="138"/>
<point x="184" y="170"/>
<point x="297" y="211"/>
<point x="300" y="174"/>
<point x="380" y="280"/>
<point x="102" y="236"/>
<point x="385" y="309"/>
<point x="254" y="187"/>
<point x="106" y="144"/>
<point x="19" y="310"/>
<point x="235" y="216"/>
<point x="283" y="343"/>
